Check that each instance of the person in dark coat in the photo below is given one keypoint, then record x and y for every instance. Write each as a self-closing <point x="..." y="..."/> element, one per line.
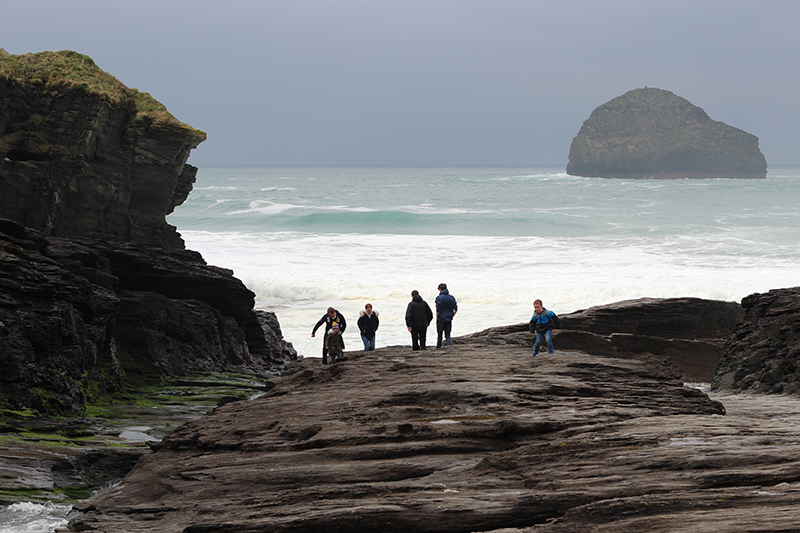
<point x="331" y="316"/>
<point x="418" y="318"/>
<point x="367" y="324"/>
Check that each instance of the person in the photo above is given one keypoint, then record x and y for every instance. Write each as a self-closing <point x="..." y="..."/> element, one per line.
<point x="446" y="309"/>
<point x="542" y="323"/>
<point x="335" y="343"/>
<point x="331" y="316"/>
<point x="418" y="318"/>
<point x="367" y="324"/>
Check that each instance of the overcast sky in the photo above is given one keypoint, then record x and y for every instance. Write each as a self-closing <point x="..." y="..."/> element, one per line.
<point x="427" y="82"/>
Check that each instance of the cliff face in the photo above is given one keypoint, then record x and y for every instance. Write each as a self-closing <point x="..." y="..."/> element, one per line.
<point x="763" y="352"/>
<point x="653" y="133"/>
<point x="96" y="286"/>
<point x="83" y="155"/>
<point x="81" y="317"/>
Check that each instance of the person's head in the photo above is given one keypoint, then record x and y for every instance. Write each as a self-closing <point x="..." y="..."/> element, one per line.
<point x="331" y="312"/>
<point x="537" y="306"/>
<point x="442" y="286"/>
<point x="368" y="308"/>
<point x="414" y="293"/>
<point x="335" y="327"/>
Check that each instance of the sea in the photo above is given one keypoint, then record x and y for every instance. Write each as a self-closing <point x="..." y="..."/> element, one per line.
<point x="304" y="239"/>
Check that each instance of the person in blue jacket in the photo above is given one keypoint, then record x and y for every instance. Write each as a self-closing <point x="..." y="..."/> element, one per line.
<point x="446" y="309"/>
<point x="542" y="323"/>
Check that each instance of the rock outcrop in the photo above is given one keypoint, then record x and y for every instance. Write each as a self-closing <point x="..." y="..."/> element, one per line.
<point x="653" y="133"/>
<point x="97" y="289"/>
<point x="83" y="155"/>
<point x="79" y="315"/>
<point x="474" y="437"/>
<point x="763" y="355"/>
<point x="686" y="336"/>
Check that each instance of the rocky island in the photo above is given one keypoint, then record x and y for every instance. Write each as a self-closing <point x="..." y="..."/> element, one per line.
<point x="653" y="133"/>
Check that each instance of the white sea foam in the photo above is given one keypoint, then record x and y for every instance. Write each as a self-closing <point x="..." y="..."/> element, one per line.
<point x="29" y="517"/>
<point x="498" y="237"/>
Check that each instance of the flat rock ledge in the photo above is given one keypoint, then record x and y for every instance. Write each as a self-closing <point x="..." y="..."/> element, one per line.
<point x="475" y="437"/>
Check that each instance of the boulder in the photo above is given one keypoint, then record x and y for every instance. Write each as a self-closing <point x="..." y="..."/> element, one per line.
<point x="653" y="133"/>
<point x="763" y="353"/>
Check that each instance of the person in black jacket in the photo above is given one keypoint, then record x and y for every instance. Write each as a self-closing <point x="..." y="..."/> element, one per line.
<point x="418" y="318"/>
<point x="367" y="324"/>
<point x="331" y="316"/>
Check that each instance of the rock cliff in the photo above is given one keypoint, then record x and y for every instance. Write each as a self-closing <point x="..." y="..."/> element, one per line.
<point x="653" y="133"/>
<point x="96" y="287"/>
<point x="81" y="317"/>
<point x="83" y="155"/>
<point x="764" y="350"/>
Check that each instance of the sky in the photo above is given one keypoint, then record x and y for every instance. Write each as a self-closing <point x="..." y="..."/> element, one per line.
<point x="427" y="82"/>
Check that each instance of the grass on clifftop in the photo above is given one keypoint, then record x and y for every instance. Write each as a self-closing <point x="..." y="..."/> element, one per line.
<point x="56" y="72"/>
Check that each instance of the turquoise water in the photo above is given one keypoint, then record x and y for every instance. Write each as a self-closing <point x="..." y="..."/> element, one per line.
<point x="306" y="238"/>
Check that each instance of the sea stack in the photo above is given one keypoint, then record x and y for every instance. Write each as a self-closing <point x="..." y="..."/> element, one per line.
<point x="656" y="134"/>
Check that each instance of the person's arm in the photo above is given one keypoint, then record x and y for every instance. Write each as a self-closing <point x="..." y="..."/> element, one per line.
<point x="318" y="324"/>
<point x="342" y="323"/>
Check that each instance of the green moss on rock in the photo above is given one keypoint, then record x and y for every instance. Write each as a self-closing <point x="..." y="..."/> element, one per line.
<point x="57" y="72"/>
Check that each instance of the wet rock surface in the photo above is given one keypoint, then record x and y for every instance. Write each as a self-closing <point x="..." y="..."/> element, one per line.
<point x="475" y="437"/>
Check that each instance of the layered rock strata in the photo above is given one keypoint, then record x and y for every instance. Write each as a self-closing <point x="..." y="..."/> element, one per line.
<point x="653" y="133"/>
<point x="81" y="317"/>
<point x="475" y="437"/>
<point x="97" y="288"/>
<point x="764" y="350"/>
<point x="686" y="336"/>
<point x="83" y="155"/>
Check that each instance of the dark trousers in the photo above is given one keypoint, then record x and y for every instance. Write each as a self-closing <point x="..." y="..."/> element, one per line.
<point x="443" y="326"/>
<point x="418" y="338"/>
<point x="325" y="350"/>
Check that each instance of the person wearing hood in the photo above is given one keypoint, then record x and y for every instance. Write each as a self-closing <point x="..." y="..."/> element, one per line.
<point x="418" y="318"/>
<point x="367" y="324"/>
<point x="446" y="309"/>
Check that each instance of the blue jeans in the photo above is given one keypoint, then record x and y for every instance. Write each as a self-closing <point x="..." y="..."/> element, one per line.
<point x="548" y="336"/>
<point x="369" y="344"/>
